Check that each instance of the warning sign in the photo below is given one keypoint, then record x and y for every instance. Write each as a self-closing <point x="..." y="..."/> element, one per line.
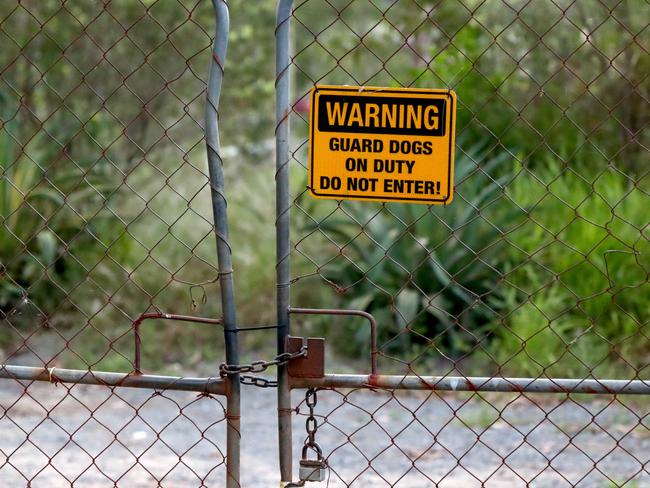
<point x="383" y="144"/>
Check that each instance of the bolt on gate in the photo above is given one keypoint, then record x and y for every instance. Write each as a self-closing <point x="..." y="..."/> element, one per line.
<point x="499" y="340"/>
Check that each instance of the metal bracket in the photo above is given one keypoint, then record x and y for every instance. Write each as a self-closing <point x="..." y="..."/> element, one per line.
<point x="311" y="366"/>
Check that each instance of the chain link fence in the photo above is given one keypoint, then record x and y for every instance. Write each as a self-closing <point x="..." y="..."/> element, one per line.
<point x="75" y="435"/>
<point x="106" y="219"/>
<point x="536" y="273"/>
<point x="508" y="340"/>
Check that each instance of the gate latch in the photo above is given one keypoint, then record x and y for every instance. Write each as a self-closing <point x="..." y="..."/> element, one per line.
<point x="311" y="366"/>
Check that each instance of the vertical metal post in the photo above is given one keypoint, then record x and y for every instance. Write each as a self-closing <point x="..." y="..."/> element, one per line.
<point x="219" y="208"/>
<point x="282" y="111"/>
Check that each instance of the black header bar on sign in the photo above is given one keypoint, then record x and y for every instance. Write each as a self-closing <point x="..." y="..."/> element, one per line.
<point x="382" y="115"/>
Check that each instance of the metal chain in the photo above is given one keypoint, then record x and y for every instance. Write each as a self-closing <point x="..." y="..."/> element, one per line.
<point x="258" y="381"/>
<point x="311" y="424"/>
<point x="260" y="366"/>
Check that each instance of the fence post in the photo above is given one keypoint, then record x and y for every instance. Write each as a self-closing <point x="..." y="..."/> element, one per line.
<point x="282" y="111"/>
<point x="219" y="207"/>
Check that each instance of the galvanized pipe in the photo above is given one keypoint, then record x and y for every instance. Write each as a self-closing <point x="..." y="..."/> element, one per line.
<point x="283" y="271"/>
<point x="215" y="386"/>
<point x="137" y="362"/>
<point x="461" y="383"/>
<point x="219" y="208"/>
<point x="374" y="351"/>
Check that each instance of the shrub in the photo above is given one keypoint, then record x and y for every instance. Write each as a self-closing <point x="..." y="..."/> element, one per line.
<point x="50" y="207"/>
<point x="429" y="274"/>
<point x="581" y="302"/>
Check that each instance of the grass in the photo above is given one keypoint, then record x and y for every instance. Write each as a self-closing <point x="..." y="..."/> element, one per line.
<point x="51" y="208"/>
<point x="578" y="285"/>
<point x="84" y="252"/>
<point x="621" y="484"/>
<point x="558" y="290"/>
<point x="480" y="417"/>
<point x="415" y="268"/>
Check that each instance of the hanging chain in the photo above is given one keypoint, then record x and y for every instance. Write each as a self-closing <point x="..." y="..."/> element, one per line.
<point x="308" y="467"/>
<point x="260" y="366"/>
<point x="311" y="424"/>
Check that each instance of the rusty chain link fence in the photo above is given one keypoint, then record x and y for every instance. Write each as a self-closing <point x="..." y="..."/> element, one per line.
<point x="106" y="220"/>
<point x="496" y="312"/>
<point x="501" y="340"/>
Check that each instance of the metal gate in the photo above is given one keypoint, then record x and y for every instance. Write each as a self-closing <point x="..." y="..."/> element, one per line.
<point x="102" y="104"/>
<point x="499" y="341"/>
<point x="484" y="332"/>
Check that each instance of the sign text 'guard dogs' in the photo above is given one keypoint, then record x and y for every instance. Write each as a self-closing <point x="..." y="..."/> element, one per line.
<point x="382" y="144"/>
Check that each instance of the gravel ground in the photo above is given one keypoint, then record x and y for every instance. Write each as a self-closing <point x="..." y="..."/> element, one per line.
<point x="87" y="437"/>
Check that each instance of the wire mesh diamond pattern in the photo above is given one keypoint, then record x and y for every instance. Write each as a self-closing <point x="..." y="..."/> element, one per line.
<point x="535" y="270"/>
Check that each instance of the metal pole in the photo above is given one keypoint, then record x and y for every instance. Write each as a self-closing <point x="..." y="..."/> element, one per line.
<point x="219" y="207"/>
<point x="102" y="378"/>
<point x="461" y="383"/>
<point x="283" y="271"/>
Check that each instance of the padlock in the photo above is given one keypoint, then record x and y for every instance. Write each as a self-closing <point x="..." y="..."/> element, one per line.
<point x="312" y="469"/>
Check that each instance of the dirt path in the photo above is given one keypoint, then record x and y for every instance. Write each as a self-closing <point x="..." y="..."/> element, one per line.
<point x="84" y="436"/>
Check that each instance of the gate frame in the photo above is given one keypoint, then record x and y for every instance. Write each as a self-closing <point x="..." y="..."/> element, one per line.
<point x="282" y="223"/>
<point x="224" y="251"/>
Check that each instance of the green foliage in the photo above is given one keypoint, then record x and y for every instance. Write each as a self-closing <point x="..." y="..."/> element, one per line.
<point x="578" y="295"/>
<point x="560" y="95"/>
<point x="546" y="269"/>
<point x="565" y="287"/>
<point x="535" y="77"/>
<point x="139" y="272"/>
<point x="46" y="203"/>
<point x="427" y="273"/>
<point x="114" y="98"/>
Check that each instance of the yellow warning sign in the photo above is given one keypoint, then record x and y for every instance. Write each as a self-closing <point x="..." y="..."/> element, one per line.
<point x="382" y="144"/>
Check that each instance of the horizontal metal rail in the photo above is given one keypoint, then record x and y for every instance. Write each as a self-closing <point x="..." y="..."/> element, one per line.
<point x="216" y="386"/>
<point x="460" y="383"/>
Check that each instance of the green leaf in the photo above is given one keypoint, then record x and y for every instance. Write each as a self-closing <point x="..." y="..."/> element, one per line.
<point x="407" y="305"/>
<point x="47" y="246"/>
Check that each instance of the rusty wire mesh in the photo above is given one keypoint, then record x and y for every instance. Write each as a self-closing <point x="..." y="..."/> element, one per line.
<point x="92" y="436"/>
<point x="384" y="438"/>
<point x="539" y="268"/>
<point x="105" y="214"/>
